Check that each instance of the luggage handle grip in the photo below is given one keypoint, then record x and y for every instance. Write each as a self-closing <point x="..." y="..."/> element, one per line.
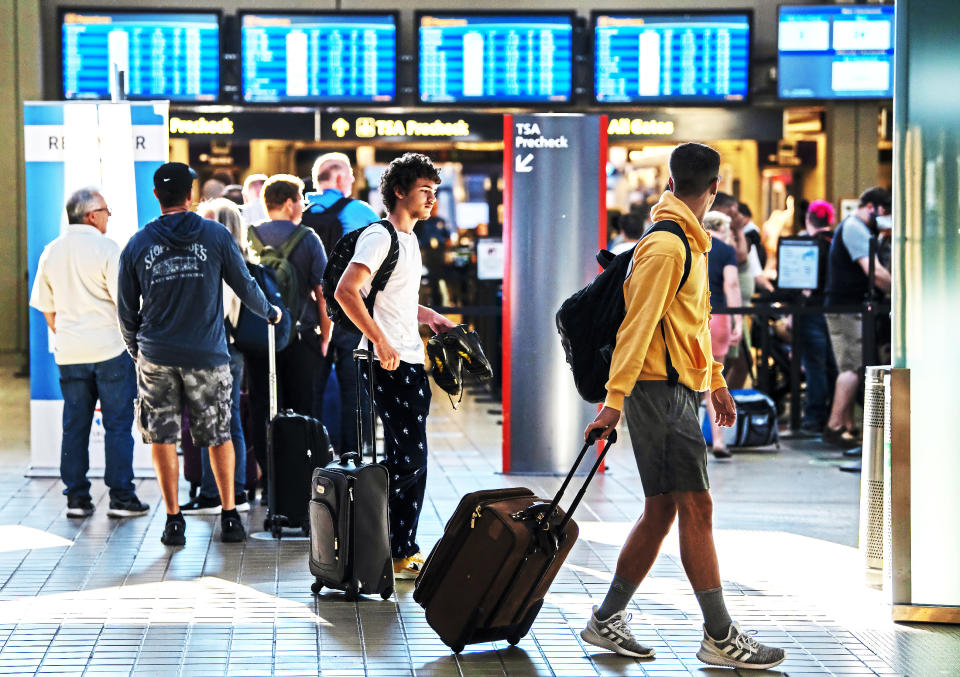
<point x="592" y="438"/>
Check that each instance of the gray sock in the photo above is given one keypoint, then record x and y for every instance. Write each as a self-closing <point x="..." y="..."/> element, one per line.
<point x="715" y="617"/>
<point x="617" y="599"/>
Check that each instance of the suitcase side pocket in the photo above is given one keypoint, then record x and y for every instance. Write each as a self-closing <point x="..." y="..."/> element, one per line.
<point x="324" y="543"/>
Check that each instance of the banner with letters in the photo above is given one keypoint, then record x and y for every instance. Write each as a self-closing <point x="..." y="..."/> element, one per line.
<point x="117" y="146"/>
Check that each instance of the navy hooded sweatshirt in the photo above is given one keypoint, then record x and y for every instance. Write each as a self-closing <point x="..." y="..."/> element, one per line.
<point x="175" y="265"/>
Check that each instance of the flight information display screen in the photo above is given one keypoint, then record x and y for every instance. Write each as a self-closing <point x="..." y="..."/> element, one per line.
<point x="495" y="58"/>
<point x="164" y="55"/>
<point x="348" y="58"/>
<point x="835" y="52"/>
<point x="671" y="57"/>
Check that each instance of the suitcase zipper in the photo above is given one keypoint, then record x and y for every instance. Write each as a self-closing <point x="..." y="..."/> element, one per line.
<point x="477" y="513"/>
<point x="351" y="494"/>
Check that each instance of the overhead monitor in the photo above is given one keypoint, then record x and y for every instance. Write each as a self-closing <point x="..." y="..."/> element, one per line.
<point x="835" y="52"/>
<point x="318" y="58"/>
<point x="655" y="57"/>
<point x="162" y="55"/>
<point x="495" y="58"/>
<point x="798" y="263"/>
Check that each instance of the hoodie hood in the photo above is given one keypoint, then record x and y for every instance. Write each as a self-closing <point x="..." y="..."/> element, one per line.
<point x="177" y="230"/>
<point x="672" y="208"/>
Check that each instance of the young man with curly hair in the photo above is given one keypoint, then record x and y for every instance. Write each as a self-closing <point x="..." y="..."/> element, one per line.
<point x="402" y="394"/>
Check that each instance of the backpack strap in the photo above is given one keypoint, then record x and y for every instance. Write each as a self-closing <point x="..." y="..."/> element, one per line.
<point x="254" y="240"/>
<point x="386" y="269"/>
<point x="673" y="227"/>
<point x="336" y="207"/>
<point x="286" y="249"/>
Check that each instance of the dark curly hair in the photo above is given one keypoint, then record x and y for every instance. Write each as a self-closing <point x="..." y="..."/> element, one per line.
<point x="403" y="173"/>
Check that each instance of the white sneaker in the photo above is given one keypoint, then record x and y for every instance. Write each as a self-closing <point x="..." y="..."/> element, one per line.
<point x="739" y="650"/>
<point x="614" y="634"/>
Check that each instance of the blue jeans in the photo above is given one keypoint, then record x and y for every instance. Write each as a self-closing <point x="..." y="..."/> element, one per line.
<point x="819" y="366"/>
<point x="114" y="383"/>
<point x="208" y="483"/>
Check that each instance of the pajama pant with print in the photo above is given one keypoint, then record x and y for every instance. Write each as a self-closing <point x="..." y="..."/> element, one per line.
<point x="402" y="399"/>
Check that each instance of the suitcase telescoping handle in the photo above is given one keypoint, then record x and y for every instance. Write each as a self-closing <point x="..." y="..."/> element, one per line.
<point x="360" y="354"/>
<point x="591" y="439"/>
<point x="272" y="368"/>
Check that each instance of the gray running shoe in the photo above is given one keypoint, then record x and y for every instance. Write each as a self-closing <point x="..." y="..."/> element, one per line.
<point x="614" y="634"/>
<point x="739" y="650"/>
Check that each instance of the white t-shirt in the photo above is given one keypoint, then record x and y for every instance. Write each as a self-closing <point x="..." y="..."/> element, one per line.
<point x="395" y="308"/>
<point x="77" y="280"/>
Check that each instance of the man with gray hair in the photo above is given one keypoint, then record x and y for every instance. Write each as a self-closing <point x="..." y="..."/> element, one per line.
<point x="76" y="290"/>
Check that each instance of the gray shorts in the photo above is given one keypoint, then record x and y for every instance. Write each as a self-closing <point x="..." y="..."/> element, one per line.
<point x="664" y="425"/>
<point x="846" y="335"/>
<point x="163" y="391"/>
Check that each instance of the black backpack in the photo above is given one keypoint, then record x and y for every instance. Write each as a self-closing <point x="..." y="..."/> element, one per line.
<point x="326" y="222"/>
<point x="337" y="263"/>
<point x="250" y="334"/>
<point x="589" y="320"/>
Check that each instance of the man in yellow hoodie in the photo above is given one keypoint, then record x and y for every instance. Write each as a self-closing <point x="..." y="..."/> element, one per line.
<point x="662" y="361"/>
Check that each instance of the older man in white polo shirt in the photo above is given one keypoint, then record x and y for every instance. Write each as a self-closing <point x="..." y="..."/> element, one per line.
<point x="76" y="290"/>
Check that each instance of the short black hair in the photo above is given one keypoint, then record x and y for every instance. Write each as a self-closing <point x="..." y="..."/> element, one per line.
<point x="876" y="196"/>
<point x="279" y="188"/>
<point x="744" y="210"/>
<point x="632" y="224"/>
<point x="402" y="173"/>
<point x="724" y="200"/>
<point x="693" y="167"/>
<point x="173" y="195"/>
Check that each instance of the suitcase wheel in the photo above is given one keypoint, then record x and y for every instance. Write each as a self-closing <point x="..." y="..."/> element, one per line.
<point x="514" y="638"/>
<point x="351" y="594"/>
<point x="387" y="594"/>
<point x="458" y="648"/>
<point x="316" y="587"/>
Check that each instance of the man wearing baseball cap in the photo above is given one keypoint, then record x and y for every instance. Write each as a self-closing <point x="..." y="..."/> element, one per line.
<point x="171" y="317"/>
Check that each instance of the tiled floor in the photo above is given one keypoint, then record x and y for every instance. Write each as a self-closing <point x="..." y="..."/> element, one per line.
<point x="98" y="596"/>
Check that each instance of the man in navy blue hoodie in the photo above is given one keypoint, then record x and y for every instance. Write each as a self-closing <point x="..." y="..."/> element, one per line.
<point x="171" y="317"/>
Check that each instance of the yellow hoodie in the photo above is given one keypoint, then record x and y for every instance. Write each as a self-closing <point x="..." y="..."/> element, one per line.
<point x="649" y="296"/>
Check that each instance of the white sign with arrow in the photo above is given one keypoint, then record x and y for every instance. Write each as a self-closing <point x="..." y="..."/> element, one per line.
<point x="523" y="164"/>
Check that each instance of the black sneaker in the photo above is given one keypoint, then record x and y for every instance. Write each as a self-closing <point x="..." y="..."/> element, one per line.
<point x="739" y="650"/>
<point x="722" y="453"/>
<point x="231" y="530"/>
<point x="840" y="437"/>
<point x="79" y="506"/>
<point x="174" y="533"/>
<point x="201" y="505"/>
<point x="127" y="507"/>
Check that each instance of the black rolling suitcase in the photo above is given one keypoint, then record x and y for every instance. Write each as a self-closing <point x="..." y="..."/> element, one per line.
<point x="296" y="445"/>
<point x="349" y="526"/>
<point x="486" y="578"/>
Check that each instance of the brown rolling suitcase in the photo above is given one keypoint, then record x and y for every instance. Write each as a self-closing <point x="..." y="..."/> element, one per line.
<point x="486" y="577"/>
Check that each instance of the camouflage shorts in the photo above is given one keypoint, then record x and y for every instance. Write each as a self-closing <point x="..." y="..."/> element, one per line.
<point x="162" y="393"/>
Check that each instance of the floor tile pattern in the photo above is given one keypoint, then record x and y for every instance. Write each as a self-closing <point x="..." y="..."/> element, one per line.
<point x="100" y="596"/>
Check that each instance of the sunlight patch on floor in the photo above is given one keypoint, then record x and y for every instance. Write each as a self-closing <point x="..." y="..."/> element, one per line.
<point x="15" y="537"/>
<point x="199" y="601"/>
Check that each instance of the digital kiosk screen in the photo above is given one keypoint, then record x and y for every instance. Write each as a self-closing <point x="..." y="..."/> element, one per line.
<point x="836" y="52"/>
<point x="798" y="263"/>
<point x="495" y="59"/>
<point x="348" y="58"/>
<point x="652" y="58"/>
<point x="173" y="56"/>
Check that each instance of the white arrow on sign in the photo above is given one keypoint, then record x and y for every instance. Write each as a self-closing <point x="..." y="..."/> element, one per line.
<point x="523" y="164"/>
